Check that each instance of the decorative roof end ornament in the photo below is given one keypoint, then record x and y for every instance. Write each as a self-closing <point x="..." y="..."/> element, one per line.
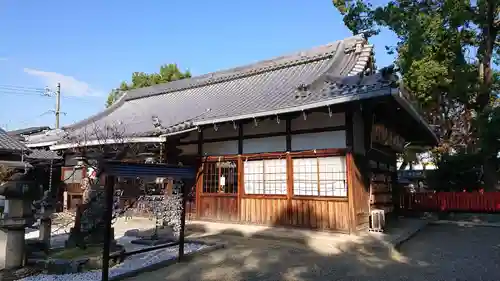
<point x="302" y="87"/>
<point x="366" y="33"/>
<point x="330" y="112"/>
<point x="304" y="114"/>
<point x="235" y="126"/>
<point x="215" y="127"/>
<point x="277" y="119"/>
<point x="255" y="122"/>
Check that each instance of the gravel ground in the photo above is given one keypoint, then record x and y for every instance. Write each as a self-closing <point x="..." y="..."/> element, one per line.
<point x="438" y="253"/>
<point x="129" y="264"/>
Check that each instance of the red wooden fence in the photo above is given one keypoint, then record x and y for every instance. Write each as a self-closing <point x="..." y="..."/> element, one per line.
<point x="451" y="201"/>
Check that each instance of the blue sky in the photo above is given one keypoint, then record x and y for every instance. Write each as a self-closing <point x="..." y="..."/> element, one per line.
<point x="90" y="46"/>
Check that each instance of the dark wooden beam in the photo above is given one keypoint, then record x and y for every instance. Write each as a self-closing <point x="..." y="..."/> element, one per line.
<point x="240" y="138"/>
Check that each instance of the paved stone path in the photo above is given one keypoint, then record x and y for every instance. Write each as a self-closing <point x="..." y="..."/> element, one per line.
<point x="444" y="252"/>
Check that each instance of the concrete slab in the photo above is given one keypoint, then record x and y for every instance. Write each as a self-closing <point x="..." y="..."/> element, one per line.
<point x="467" y="223"/>
<point x="400" y="231"/>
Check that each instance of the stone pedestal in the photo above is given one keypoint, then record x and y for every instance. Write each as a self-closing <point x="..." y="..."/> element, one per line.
<point x="45" y="230"/>
<point x="11" y="248"/>
<point x="12" y="233"/>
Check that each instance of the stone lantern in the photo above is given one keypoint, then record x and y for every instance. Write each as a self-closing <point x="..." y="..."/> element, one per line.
<point x="19" y="190"/>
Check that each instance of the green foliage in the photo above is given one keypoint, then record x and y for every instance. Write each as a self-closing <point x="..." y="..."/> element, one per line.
<point x="167" y="73"/>
<point x="456" y="173"/>
<point x="446" y="51"/>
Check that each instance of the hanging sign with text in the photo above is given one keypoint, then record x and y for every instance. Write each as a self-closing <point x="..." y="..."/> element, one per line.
<point x="383" y="136"/>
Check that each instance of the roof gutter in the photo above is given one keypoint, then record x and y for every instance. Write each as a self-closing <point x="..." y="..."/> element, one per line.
<point x="337" y="100"/>
<point x="109" y="141"/>
<point x="40" y="144"/>
<point x="179" y="132"/>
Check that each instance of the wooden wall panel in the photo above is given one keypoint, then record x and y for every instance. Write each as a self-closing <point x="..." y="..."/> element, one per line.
<point x="315" y="214"/>
<point x="74" y="188"/>
<point x="220" y="208"/>
<point x="263" y="211"/>
<point x="359" y="191"/>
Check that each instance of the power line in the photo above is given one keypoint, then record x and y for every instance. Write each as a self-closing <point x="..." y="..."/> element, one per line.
<point x="23" y="88"/>
<point x="34" y="91"/>
<point x="41" y="92"/>
<point x="32" y="94"/>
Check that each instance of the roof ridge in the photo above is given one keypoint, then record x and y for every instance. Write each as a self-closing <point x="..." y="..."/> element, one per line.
<point x="326" y="54"/>
<point x="299" y="57"/>
<point x="98" y="115"/>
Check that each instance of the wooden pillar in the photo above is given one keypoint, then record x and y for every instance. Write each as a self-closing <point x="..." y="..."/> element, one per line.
<point x="240" y="169"/>
<point x="182" y="232"/>
<point x="163" y="154"/>
<point x="108" y="215"/>
<point x="349" y="164"/>
<point x="170" y="186"/>
<point x="240" y="138"/>
<point x="199" y="175"/>
<point x="289" y="170"/>
<point x="288" y="126"/>
<point x="368" y="118"/>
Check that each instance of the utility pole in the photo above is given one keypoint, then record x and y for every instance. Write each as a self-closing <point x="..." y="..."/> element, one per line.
<point x="58" y="104"/>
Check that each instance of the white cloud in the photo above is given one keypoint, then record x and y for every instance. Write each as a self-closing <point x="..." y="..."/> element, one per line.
<point x="70" y="86"/>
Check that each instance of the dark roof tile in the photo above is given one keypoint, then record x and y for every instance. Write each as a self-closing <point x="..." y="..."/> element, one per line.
<point x="261" y="88"/>
<point x="9" y="143"/>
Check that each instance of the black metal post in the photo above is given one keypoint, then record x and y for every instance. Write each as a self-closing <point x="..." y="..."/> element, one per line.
<point x="108" y="215"/>
<point x="183" y="222"/>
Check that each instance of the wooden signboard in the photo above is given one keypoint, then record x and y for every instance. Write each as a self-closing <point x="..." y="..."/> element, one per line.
<point x="383" y="136"/>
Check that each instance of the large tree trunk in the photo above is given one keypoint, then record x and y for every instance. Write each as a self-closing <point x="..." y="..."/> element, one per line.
<point x="485" y="54"/>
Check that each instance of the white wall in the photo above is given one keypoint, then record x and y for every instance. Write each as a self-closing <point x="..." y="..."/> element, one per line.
<point x="189" y="149"/>
<point x="224" y="130"/>
<point x="220" y="148"/>
<point x="323" y="140"/>
<point x="309" y="141"/>
<point x="258" y="145"/>
<point x="264" y="127"/>
<point x="317" y="120"/>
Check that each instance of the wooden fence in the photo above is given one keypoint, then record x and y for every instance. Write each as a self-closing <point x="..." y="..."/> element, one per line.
<point x="486" y="202"/>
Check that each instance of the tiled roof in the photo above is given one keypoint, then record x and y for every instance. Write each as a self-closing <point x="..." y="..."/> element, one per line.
<point x="9" y="143"/>
<point x="277" y="85"/>
<point x="41" y="154"/>
<point x="45" y="137"/>
<point x="28" y="131"/>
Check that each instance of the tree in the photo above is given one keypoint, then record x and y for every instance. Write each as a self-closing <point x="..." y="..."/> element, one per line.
<point x="167" y="73"/>
<point x="445" y="54"/>
<point x="110" y="144"/>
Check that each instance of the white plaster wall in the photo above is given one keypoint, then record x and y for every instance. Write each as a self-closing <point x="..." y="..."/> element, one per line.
<point x="224" y="130"/>
<point x="318" y="120"/>
<point x="69" y="160"/>
<point x="270" y="144"/>
<point x="264" y="127"/>
<point x="192" y="136"/>
<point x="323" y="140"/>
<point x="220" y="148"/>
<point x="189" y="149"/>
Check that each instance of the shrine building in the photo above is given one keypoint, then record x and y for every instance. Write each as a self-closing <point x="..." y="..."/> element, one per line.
<point x="302" y="140"/>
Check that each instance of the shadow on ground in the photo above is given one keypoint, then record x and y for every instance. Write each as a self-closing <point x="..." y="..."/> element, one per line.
<point x="441" y="252"/>
<point x="256" y="258"/>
